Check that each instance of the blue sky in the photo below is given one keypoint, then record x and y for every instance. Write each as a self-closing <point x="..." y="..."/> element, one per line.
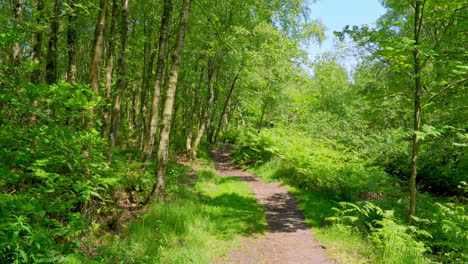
<point x="336" y="14"/>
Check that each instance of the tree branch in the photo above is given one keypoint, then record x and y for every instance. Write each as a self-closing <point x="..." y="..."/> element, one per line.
<point x="442" y="90"/>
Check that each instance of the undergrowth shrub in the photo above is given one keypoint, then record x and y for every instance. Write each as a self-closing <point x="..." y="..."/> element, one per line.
<point x="254" y="148"/>
<point x="392" y="241"/>
<point x="447" y="224"/>
<point x="313" y="165"/>
<point x="53" y="176"/>
<point x="444" y="162"/>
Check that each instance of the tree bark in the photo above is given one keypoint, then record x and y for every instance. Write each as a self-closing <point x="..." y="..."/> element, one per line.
<point x="96" y="59"/>
<point x="144" y="99"/>
<point x="417" y="110"/>
<point x="232" y="108"/>
<point x="260" y="124"/>
<point x="109" y="70"/>
<point x="37" y="44"/>
<point x="206" y="115"/>
<point x="163" y="150"/>
<point x="71" y="43"/>
<point x="37" y="53"/>
<point x="150" y="133"/>
<point x="135" y="105"/>
<point x="211" y="125"/>
<point x="17" y="50"/>
<point x="175" y="115"/>
<point x="242" y="118"/>
<point x="51" y="59"/>
<point x="225" y="107"/>
<point x="121" y="73"/>
<point x="147" y="69"/>
<point x="193" y="114"/>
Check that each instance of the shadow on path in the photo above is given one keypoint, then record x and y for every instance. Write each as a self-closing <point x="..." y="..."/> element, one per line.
<point x="289" y="239"/>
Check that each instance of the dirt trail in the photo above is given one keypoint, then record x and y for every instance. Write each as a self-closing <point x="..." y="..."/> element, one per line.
<point x="289" y="240"/>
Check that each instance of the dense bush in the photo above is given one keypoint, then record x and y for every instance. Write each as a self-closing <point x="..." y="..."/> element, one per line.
<point x="439" y="235"/>
<point x="327" y="166"/>
<point x="53" y="177"/>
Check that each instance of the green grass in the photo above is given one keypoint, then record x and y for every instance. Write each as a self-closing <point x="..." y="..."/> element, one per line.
<point x="198" y="224"/>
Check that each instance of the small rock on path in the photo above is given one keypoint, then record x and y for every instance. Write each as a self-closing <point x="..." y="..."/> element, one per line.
<point x="289" y="241"/>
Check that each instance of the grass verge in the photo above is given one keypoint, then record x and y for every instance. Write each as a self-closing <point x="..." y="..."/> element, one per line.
<point x="200" y="223"/>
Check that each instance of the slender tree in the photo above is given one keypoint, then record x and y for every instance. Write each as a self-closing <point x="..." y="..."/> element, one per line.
<point x="163" y="150"/>
<point x="228" y="98"/>
<point x="37" y="44"/>
<point x="71" y="44"/>
<point x="37" y="52"/>
<point x="150" y="133"/>
<point x="96" y="58"/>
<point x="121" y="74"/>
<point x="212" y="69"/>
<point x="192" y="116"/>
<point x="17" y="50"/>
<point x="51" y="59"/>
<point x="418" y="16"/>
<point x="110" y="69"/>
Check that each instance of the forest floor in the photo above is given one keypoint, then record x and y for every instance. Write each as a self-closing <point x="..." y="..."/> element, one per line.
<point x="289" y="239"/>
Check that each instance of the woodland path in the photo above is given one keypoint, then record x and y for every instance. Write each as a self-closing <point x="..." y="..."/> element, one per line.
<point x="289" y="240"/>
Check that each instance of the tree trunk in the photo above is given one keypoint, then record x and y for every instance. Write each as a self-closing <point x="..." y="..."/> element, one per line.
<point x="17" y="50"/>
<point x="417" y="111"/>
<point x="211" y="126"/>
<point x="51" y="59"/>
<point x="175" y="116"/>
<point x="71" y="42"/>
<point x="135" y="106"/>
<point x="163" y="150"/>
<point x="225" y="107"/>
<point x="144" y="99"/>
<point x="96" y="59"/>
<point x="232" y="108"/>
<point x="106" y="118"/>
<point x="193" y="113"/>
<point x="260" y="124"/>
<point x="145" y="80"/>
<point x="37" y="44"/>
<point x="121" y="74"/>
<point x="150" y="133"/>
<point x="205" y="117"/>
<point x="37" y="53"/>
<point x="189" y="126"/>
<point x="242" y="117"/>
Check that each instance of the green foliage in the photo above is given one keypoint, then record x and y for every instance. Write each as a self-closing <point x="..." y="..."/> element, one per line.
<point x="392" y="241"/>
<point x="52" y="175"/>
<point x="394" y="244"/>
<point x="444" y="162"/>
<point x="196" y="224"/>
<point x="447" y="224"/>
<point x="315" y="166"/>
<point x="253" y="149"/>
